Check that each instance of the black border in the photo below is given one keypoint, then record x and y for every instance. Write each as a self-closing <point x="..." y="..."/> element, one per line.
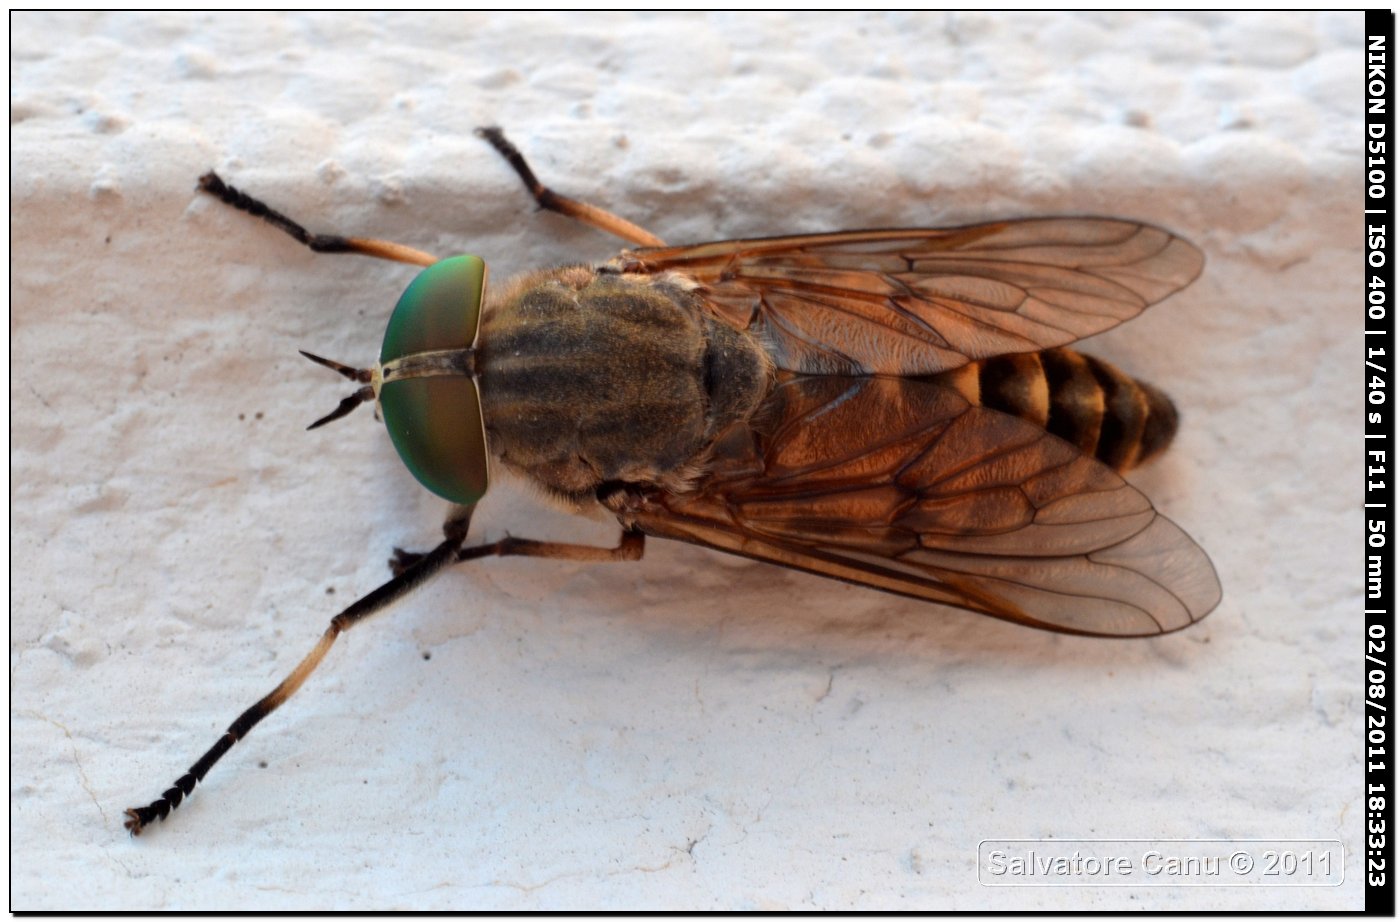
<point x="1378" y="346"/>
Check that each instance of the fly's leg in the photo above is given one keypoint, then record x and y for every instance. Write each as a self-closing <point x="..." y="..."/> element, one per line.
<point x="403" y="560"/>
<point x="321" y="243"/>
<point x="417" y="570"/>
<point x="424" y="568"/>
<point x="548" y="199"/>
<point x="629" y="547"/>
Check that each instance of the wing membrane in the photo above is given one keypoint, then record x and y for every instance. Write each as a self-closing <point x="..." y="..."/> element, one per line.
<point x="911" y="302"/>
<point x="902" y="485"/>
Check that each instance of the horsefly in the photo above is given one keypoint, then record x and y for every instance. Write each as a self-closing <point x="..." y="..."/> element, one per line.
<point x="891" y="408"/>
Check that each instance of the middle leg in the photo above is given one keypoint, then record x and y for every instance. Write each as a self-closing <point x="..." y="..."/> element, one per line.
<point x="548" y="199"/>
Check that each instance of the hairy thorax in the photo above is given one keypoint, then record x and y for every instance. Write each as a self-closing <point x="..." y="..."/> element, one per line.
<point x="591" y="378"/>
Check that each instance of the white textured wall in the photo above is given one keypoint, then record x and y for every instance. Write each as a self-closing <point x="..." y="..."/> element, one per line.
<point x="693" y="730"/>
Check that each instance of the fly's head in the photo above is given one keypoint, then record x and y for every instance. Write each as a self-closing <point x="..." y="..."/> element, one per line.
<point x="425" y="380"/>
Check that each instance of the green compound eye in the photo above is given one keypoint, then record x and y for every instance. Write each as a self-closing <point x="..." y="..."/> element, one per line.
<point x="441" y="309"/>
<point x="435" y="422"/>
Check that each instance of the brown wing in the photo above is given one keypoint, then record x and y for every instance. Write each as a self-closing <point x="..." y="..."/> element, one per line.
<point x="924" y="301"/>
<point x="902" y="485"/>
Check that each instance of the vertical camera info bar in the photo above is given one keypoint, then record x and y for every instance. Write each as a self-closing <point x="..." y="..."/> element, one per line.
<point x="1380" y="711"/>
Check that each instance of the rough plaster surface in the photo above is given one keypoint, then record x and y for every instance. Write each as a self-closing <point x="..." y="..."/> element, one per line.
<point x="693" y="730"/>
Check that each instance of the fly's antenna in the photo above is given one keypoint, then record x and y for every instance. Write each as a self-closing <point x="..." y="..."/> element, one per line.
<point x="363" y="395"/>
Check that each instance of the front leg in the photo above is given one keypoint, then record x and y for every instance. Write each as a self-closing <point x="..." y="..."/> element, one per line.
<point x="424" y="568"/>
<point x="321" y="243"/>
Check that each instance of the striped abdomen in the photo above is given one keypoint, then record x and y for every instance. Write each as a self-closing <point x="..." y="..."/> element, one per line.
<point x="1083" y="400"/>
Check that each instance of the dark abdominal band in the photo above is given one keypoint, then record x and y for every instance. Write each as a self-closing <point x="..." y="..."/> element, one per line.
<point x="1083" y="400"/>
